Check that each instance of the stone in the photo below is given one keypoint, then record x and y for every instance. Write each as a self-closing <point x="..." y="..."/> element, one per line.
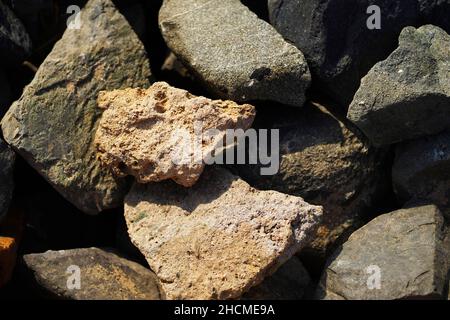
<point x="219" y="238"/>
<point x="290" y="282"/>
<point x="11" y="230"/>
<point x="325" y="161"/>
<point x="407" y="95"/>
<point x="148" y="133"/>
<point x="7" y="159"/>
<point x="235" y="54"/>
<point x="399" y="255"/>
<point x="334" y="37"/>
<point x="53" y="124"/>
<point x="103" y="275"/>
<point x="15" y="43"/>
<point x="421" y="170"/>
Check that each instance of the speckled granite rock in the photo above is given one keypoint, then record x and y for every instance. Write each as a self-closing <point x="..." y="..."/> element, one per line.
<point x="53" y="124"/>
<point x="103" y="275"/>
<point x="407" y="95"/>
<point x="219" y="238"/>
<point x="399" y="255"/>
<point x="159" y="133"/>
<point x="234" y="53"/>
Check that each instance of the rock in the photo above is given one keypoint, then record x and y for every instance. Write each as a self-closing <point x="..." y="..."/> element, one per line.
<point x="326" y="162"/>
<point x="334" y="37"/>
<point x="219" y="238"/>
<point x="148" y="133"/>
<point x="399" y="255"/>
<point x="15" y="43"/>
<point x="407" y="95"/>
<point x="421" y="170"/>
<point x="251" y="61"/>
<point x="7" y="158"/>
<point x="53" y="124"/>
<point x="11" y="229"/>
<point x="173" y="65"/>
<point x="103" y="275"/>
<point x="290" y="282"/>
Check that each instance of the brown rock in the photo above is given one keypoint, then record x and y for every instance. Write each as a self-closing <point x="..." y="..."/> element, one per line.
<point x="219" y="238"/>
<point x="152" y="134"/>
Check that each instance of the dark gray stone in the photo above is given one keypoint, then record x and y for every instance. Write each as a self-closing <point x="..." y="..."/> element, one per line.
<point x="334" y="37"/>
<point x="421" y="170"/>
<point x="407" y="95"/>
<point x="290" y="282"/>
<point x="15" y="43"/>
<point x="327" y="163"/>
<point x="406" y="250"/>
<point x="103" y="275"/>
<point x="53" y="124"/>
<point x="234" y="53"/>
<point x="7" y="158"/>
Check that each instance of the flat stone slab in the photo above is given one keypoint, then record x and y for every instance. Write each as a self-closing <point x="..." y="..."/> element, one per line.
<point x="219" y="238"/>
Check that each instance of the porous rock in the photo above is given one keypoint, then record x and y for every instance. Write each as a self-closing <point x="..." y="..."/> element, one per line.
<point x="219" y="238"/>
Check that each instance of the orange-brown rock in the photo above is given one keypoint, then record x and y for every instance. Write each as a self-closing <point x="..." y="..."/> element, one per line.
<point x="161" y="133"/>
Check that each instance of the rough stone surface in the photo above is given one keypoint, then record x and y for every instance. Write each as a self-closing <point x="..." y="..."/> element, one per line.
<point x="148" y="133"/>
<point x="103" y="275"/>
<point x="15" y="43"/>
<point x="421" y="170"/>
<point x="326" y="162"/>
<point x="334" y="37"/>
<point x="234" y="53"/>
<point x="53" y="124"/>
<point x="219" y="238"/>
<point x="408" y="94"/>
<point x="7" y="158"/>
<point x="410" y="248"/>
<point x="290" y="282"/>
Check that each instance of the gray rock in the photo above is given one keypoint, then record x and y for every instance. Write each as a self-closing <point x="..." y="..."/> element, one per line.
<point x="421" y="170"/>
<point x="334" y="37"/>
<point x="53" y="124"/>
<point x="103" y="275"/>
<point x="219" y="238"/>
<point x="7" y="158"/>
<point x="407" y="95"/>
<point x="326" y="162"/>
<point x="399" y="255"/>
<point x="15" y="43"/>
<point x="234" y="53"/>
<point x="290" y="282"/>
